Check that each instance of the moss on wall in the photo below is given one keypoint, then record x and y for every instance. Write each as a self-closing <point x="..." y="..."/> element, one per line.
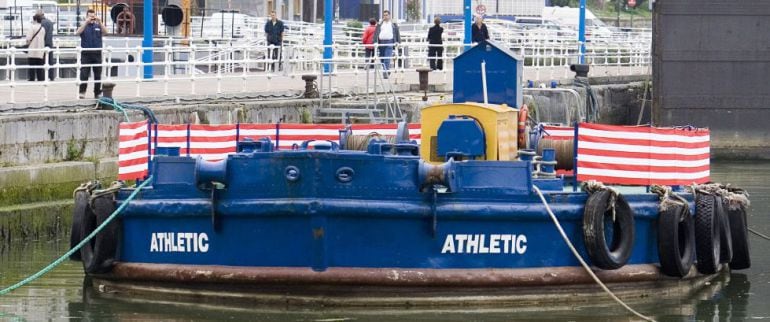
<point x="37" y="221"/>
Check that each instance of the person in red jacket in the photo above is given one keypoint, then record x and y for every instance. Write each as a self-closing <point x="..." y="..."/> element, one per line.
<point x="368" y="40"/>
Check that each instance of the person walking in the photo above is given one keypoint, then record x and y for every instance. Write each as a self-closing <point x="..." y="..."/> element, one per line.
<point x="386" y="36"/>
<point x="91" y="33"/>
<point x="48" y="27"/>
<point x="274" y="32"/>
<point x="436" y="45"/>
<point x="35" y="49"/>
<point x="479" y="30"/>
<point x="368" y="41"/>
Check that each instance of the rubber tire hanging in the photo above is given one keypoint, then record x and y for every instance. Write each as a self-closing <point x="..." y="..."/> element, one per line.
<point x="81" y="206"/>
<point x="99" y="255"/>
<point x="707" y="234"/>
<point x="676" y="240"/>
<point x="596" y="212"/>
<point x="725" y="237"/>
<point x="739" y="231"/>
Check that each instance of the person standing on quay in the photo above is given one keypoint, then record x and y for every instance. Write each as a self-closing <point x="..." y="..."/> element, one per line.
<point x="35" y="46"/>
<point x="91" y="33"/>
<point x="368" y="41"/>
<point x="479" y="30"/>
<point x="48" y="26"/>
<point x="274" y="33"/>
<point x="386" y="36"/>
<point x="436" y="45"/>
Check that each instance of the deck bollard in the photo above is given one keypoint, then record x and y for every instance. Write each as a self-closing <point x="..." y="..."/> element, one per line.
<point x="107" y="89"/>
<point x="311" y="91"/>
<point x="424" y="81"/>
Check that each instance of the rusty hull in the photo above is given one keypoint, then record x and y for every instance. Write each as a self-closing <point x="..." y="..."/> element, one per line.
<point x="378" y="287"/>
<point x="173" y="273"/>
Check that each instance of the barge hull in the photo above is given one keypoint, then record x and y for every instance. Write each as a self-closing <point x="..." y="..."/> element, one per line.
<point x="381" y="287"/>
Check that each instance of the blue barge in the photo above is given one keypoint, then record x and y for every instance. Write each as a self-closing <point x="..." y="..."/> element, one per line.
<point x="471" y="213"/>
<point x="322" y="223"/>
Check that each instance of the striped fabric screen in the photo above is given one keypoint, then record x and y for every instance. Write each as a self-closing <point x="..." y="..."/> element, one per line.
<point x="215" y="142"/>
<point x="642" y="155"/>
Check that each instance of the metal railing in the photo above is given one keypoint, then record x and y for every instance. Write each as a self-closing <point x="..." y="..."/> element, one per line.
<point x="544" y="59"/>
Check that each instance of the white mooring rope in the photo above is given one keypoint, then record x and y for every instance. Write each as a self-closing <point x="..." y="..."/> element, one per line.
<point x="582" y="262"/>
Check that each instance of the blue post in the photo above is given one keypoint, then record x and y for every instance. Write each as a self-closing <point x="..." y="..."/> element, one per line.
<point x="467" y="13"/>
<point x="328" y="17"/>
<point x="147" y="42"/>
<point x="582" y="32"/>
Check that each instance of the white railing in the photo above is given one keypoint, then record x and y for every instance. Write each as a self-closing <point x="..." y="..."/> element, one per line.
<point x="213" y="64"/>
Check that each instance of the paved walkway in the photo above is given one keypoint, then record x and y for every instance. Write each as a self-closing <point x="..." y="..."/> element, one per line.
<point x="63" y="92"/>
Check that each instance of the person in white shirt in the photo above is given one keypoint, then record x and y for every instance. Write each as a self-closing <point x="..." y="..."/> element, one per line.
<point x="386" y="36"/>
<point x="36" y="44"/>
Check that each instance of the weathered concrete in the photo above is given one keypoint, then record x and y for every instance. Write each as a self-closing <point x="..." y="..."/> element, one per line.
<point x="617" y="103"/>
<point x="50" y="182"/>
<point x="56" y="137"/>
<point x="36" y="200"/>
<point x="36" y="221"/>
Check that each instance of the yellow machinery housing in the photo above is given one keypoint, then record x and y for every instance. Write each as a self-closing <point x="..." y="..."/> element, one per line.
<point x="499" y="123"/>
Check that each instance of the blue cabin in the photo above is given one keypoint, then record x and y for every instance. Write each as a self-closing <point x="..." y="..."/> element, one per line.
<point x="504" y="72"/>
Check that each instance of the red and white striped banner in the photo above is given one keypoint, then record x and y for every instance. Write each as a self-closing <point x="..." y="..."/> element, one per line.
<point x="642" y="155"/>
<point x="212" y="142"/>
<point x="554" y="132"/>
<point x="215" y="142"/>
<point x="132" y="150"/>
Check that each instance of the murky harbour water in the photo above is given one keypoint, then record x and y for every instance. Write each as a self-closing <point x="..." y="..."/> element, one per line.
<point x="60" y="295"/>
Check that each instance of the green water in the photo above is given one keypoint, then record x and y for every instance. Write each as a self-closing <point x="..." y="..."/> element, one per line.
<point x="60" y="295"/>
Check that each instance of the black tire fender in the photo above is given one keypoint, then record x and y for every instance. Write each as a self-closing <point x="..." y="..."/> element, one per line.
<point x="739" y="231"/>
<point x="100" y="253"/>
<point x="676" y="240"/>
<point x="707" y="234"/>
<point x="81" y="205"/>
<point x="725" y="237"/>
<point x="596" y="214"/>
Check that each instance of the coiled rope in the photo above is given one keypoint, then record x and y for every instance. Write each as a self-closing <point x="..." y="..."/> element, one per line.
<point x="361" y="142"/>
<point x="116" y="107"/>
<point x="565" y="151"/>
<point x="580" y="259"/>
<point x="78" y="246"/>
<point x="148" y="113"/>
